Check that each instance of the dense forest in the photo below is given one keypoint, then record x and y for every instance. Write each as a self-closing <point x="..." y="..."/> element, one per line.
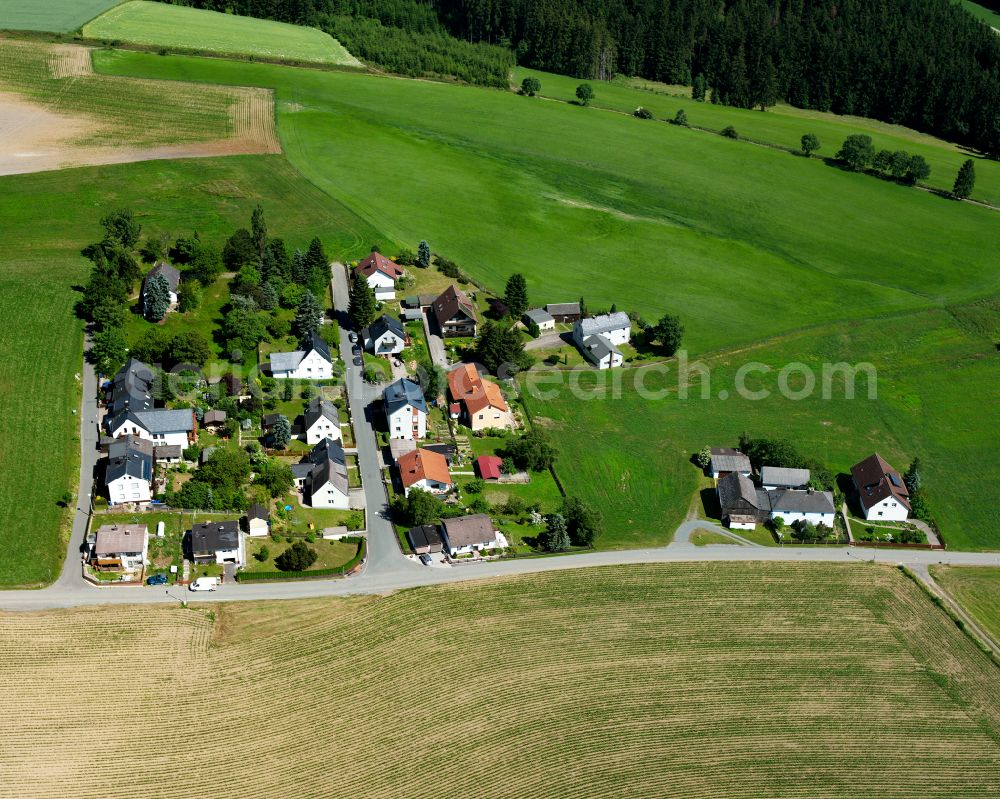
<point x="923" y="63"/>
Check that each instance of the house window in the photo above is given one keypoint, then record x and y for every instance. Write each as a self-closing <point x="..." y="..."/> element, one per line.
<point x="880" y="513"/>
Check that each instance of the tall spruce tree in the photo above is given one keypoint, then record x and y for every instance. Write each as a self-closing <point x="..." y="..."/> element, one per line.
<point x="258" y="230"/>
<point x="424" y="254"/>
<point x="157" y="298"/>
<point x="515" y="295"/>
<point x="308" y="315"/>
<point x="965" y="181"/>
<point x="362" y="308"/>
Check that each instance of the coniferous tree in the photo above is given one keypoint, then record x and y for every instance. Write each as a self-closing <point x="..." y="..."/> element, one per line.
<point x="424" y="254"/>
<point x="362" y="308"/>
<point x="281" y="432"/>
<point x="698" y="88"/>
<point x="157" y="298"/>
<point x="258" y="230"/>
<point x="515" y="295"/>
<point x="965" y="180"/>
<point x="308" y="315"/>
<point x="300" y="268"/>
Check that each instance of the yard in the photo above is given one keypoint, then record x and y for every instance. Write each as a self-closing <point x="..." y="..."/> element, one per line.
<point x="302" y="520"/>
<point x="261" y="553"/>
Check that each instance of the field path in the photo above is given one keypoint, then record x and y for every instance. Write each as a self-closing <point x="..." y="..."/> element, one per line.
<point x="924" y="575"/>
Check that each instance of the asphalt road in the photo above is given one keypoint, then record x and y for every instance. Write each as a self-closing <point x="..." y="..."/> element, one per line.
<point x="387" y="568"/>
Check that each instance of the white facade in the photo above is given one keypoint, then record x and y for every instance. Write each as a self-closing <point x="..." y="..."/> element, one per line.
<point x="408" y="422"/>
<point x="610" y="360"/>
<point x="312" y="366"/>
<point x="323" y="428"/>
<point x="387" y="344"/>
<point x="128" y="489"/>
<point x="889" y="509"/>
<point x="257" y="527"/>
<point x="329" y="496"/>
<point x="790" y="517"/>
<point x="383" y="286"/>
<point x="477" y="547"/>
<point x="429" y="485"/>
<point x="237" y="556"/>
<point x="132" y="427"/>
<point x="742" y="525"/>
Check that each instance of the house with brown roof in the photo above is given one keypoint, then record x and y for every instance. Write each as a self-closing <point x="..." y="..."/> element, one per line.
<point x="743" y="504"/>
<point x="472" y="533"/>
<point x="426" y="470"/>
<point x="455" y="313"/>
<point x="120" y="546"/>
<point x="481" y="401"/>
<point x="881" y="489"/>
<point x="381" y="273"/>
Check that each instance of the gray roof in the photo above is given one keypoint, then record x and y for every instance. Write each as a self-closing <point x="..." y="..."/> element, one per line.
<point x="302" y="470"/>
<point x="329" y="465"/>
<point x="214" y="417"/>
<point x="211" y="537"/>
<point x="115" y="539"/>
<point x="603" y="324"/>
<point x="597" y="348"/>
<point x="122" y="445"/>
<point x="286" y="361"/>
<point x="784" y="477"/>
<point x="315" y="342"/>
<point x="168" y="451"/>
<point x="132" y="388"/>
<point x="729" y="460"/>
<point x="320" y="408"/>
<point x="257" y="511"/>
<point x="463" y="531"/>
<point x="560" y="308"/>
<point x="402" y="393"/>
<point x="164" y="420"/>
<point x="385" y="324"/>
<point x="129" y="461"/>
<point x="170" y="273"/>
<point x="425" y="536"/>
<point x="735" y="489"/>
<point x="785" y="499"/>
<point x="539" y="316"/>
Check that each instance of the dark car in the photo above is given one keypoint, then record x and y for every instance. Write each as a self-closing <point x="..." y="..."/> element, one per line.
<point x="355" y="350"/>
<point x="358" y="361"/>
<point x="427" y="560"/>
<point x="156" y="579"/>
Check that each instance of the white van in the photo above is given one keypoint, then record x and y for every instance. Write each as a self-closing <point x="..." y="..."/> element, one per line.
<point x="205" y="584"/>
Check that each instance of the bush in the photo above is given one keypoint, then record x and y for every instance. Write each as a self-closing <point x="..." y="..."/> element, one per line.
<point x="730" y="132"/>
<point x="297" y="558"/>
<point x="262" y="554"/>
<point x="681" y="118"/>
<point x="642" y="113"/>
<point x="475" y="486"/>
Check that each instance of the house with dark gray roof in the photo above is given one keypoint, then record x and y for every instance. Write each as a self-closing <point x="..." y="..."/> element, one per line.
<point x="774" y="477"/>
<point x="131" y="388"/>
<point x="599" y="338"/>
<point x="455" y="313"/>
<point x="321" y="420"/>
<point x="881" y="490"/>
<point x="405" y="409"/>
<point x="129" y="473"/>
<point x="743" y="505"/>
<point x="217" y="542"/>
<point x="326" y="484"/>
<point x="162" y="426"/>
<point x="425" y="539"/>
<point x="601" y="352"/>
<point x="563" y="312"/>
<point x="385" y="336"/>
<point x="312" y="361"/>
<point x="472" y="533"/>
<point x="540" y="317"/>
<point x="793" y="505"/>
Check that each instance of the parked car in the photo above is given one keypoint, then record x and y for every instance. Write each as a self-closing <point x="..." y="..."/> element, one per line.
<point x="205" y="584"/>
<point x="355" y="350"/>
<point x="352" y="337"/>
<point x="156" y="579"/>
<point x="426" y="559"/>
<point x="358" y="361"/>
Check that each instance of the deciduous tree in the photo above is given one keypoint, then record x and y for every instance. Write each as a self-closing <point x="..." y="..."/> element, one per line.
<point x="809" y="143"/>
<point x="584" y="93"/>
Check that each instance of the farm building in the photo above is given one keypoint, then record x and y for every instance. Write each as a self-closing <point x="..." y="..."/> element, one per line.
<point x="743" y="505"/>
<point x="455" y="313"/>
<point x="881" y="490"/>
<point x="386" y="336"/>
<point x="726" y="460"/>
<point x="475" y="532"/>
<point x="792" y="505"/>
<point x="598" y="338"/>
<point x="381" y="274"/>
<point x="217" y="542"/>
<point x="774" y="477"/>
<point x="120" y="546"/>
<point x="425" y="470"/>
<point x="540" y="317"/>
<point x="311" y="362"/>
<point x="405" y="409"/>
<point x="482" y="403"/>
<point x="564" y="312"/>
<point x="321" y="420"/>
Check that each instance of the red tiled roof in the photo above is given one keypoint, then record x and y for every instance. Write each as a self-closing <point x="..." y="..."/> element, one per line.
<point x="465" y="385"/>
<point x="877" y="480"/>
<point x="488" y="467"/>
<point x="423" y="464"/>
<point x="452" y="301"/>
<point x="376" y="262"/>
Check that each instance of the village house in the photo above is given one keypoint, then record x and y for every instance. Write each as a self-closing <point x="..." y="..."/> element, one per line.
<point x="405" y="409"/>
<point x="540" y="317"/>
<point x="599" y="338"/>
<point x="743" y="505"/>
<point x="881" y="490"/>
<point x="321" y="420"/>
<point x="385" y="336"/>
<point x="169" y="273"/>
<point x="131" y="388"/>
<point x="129" y="475"/>
<point x="725" y="460"/>
<point x="473" y="533"/>
<point x="425" y="539"/>
<point x="381" y="274"/>
<point x="162" y="426"/>
<point x="311" y="362"/>
<point x="217" y="542"/>
<point x="120" y="546"/>
<point x="256" y="522"/>
<point x="808" y="506"/>
<point x="481" y="402"/>
<point x="564" y="312"/>
<point x="426" y="470"/>
<point x="455" y="313"/>
<point x="214" y="420"/>
<point x="168" y="453"/>
<point x="775" y="477"/>
<point x="322" y="476"/>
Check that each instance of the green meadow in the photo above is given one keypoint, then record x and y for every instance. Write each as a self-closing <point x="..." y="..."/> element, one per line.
<point x="48" y="218"/>
<point x="161" y="25"/>
<point x="59" y="16"/>
<point x="977" y="588"/>
<point x="987" y="15"/>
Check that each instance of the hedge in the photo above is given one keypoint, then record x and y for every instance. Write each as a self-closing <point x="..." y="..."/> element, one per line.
<point x="245" y="577"/>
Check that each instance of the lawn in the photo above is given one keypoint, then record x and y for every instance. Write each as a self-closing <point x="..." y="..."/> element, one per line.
<point x="59" y="16"/>
<point x="330" y="554"/>
<point x="978" y="591"/>
<point x="302" y="520"/>
<point x="701" y="538"/>
<point x="782" y="125"/>
<point x="161" y="25"/>
<point x="987" y="15"/>
<point x="676" y="680"/>
<point x="47" y="218"/>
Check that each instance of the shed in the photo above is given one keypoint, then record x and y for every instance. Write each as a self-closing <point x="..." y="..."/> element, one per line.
<point x="488" y="467"/>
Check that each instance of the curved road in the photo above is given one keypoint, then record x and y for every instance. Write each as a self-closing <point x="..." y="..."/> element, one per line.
<point x="387" y="569"/>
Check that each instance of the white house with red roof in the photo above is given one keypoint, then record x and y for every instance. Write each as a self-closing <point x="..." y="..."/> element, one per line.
<point x="381" y="274"/>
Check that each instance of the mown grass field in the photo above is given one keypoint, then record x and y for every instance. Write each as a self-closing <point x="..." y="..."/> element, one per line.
<point x="977" y="589"/>
<point x="667" y="681"/>
<point x="161" y="25"/>
<point x="987" y="15"/>
<point x="59" y="16"/>
<point x="47" y="218"/>
<point x="782" y="125"/>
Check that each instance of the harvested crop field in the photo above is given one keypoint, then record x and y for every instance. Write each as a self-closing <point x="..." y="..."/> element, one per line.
<point x="55" y="113"/>
<point x="675" y="680"/>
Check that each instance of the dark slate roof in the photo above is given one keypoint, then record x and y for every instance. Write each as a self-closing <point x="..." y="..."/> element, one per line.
<point x="597" y="348"/>
<point x="211" y="537"/>
<point x="257" y="511"/>
<point x="876" y="480"/>
<point x="426" y="535"/>
<point x="329" y="465"/>
<point x="735" y="490"/>
<point x="302" y="470"/>
<point x="270" y="419"/>
<point x="129" y="461"/>
<point x="384" y="324"/>
<point x="163" y="420"/>
<point x="132" y="388"/>
<point x="792" y="501"/>
<point x="129" y="443"/>
<point x="170" y="273"/>
<point x="401" y="393"/>
<point x="320" y="408"/>
<point x="448" y="450"/>
<point x="315" y="342"/>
